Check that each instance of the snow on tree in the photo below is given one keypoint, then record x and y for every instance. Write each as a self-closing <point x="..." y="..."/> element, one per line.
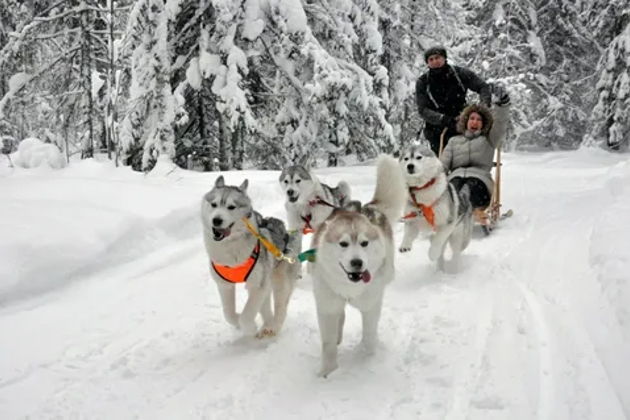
<point x="328" y="70"/>
<point x="147" y="130"/>
<point x="544" y="54"/>
<point x="228" y="84"/>
<point x="610" y="120"/>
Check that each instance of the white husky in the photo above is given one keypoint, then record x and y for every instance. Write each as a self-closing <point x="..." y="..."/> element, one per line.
<point x="237" y="256"/>
<point x="308" y="201"/>
<point x="355" y="260"/>
<point x="434" y="204"/>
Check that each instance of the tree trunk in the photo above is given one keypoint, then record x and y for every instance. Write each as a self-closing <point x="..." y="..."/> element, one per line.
<point x="224" y="138"/>
<point x="204" y="135"/>
<point x="237" y="145"/>
<point x="333" y="156"/>
<point x="86" y="81"/>
<point x="109" y="110"/>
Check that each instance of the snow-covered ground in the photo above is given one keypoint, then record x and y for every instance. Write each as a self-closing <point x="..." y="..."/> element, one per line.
<point x="107" y="310"/>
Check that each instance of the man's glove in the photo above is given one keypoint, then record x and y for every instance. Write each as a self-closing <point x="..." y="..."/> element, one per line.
<point x="500" y="95"/>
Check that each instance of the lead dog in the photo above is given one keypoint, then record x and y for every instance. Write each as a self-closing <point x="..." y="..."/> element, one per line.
<point x="433" y="204"/>
<point x="237" y="256"/>
<point x="355" y="261"/>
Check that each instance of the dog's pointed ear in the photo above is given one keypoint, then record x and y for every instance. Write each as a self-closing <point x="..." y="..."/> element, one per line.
<point x="220" y="182"/>
<point x="243" y="186"/>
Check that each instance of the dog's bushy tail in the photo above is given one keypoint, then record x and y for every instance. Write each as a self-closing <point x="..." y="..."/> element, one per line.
<point x="342" y="193"/>
<point x="391" y="192"/>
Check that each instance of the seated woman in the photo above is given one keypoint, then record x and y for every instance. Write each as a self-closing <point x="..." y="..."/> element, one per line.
<point x="468" y="157"/>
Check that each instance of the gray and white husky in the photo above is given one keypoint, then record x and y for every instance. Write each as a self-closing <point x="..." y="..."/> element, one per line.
<point x="237" y="256"/>
<point x="434" y="204"/>
<point x="355" y="261"/>
<point x="308" y="201"/>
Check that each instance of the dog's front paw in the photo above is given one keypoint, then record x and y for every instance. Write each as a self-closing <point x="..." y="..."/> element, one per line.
<point x="327" y="369"/>
<point x="266" y="331"/>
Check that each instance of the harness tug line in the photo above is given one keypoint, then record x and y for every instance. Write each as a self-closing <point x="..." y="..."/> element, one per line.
<point x="275" y="251"/>
<point x="308" y="255"/>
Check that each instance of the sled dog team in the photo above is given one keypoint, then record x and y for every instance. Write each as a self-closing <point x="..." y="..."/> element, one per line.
<point x="353" y="243"/>
<point x="351" y="259"/>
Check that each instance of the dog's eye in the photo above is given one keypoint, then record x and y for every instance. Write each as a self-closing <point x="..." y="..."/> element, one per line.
<point x="213" y="205"/>
<point x="297" y="181"/>
<point x="418" y="157"/>
<point x="343" y="244"/>
<point x="406" y="158"/>
<point x="231" y="207"/>
<point x="286" y="182"/>
<point x="364" y="243"/>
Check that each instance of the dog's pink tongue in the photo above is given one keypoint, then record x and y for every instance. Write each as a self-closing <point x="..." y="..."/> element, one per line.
<point x="366" y="276"/>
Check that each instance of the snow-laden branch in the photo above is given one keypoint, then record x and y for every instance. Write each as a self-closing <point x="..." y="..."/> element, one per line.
<point x="294" y="81"/>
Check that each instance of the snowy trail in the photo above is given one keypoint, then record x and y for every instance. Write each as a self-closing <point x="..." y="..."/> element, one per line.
<point x="528" y="329"/>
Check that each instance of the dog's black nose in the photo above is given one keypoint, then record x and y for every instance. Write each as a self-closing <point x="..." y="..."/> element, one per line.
<point x="217" y="221"/>
<point x="410" y="167"/>
<point x="290" y="193"/>
<point x="356" y="263"/>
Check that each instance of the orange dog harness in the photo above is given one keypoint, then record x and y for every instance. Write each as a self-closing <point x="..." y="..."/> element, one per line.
<point x="427" y="211"/>
<point x="238" y="273"/>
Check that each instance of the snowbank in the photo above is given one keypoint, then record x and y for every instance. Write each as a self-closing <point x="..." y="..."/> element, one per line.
<point x="61" y="227"/>
<point x="33" y="153"/>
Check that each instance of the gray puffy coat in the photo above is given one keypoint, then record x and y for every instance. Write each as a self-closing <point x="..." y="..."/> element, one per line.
<point x="468" y="155"/>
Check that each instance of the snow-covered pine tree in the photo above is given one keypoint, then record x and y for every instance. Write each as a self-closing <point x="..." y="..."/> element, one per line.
<point x="329" y="77"/>
<point x="223" y="57"/>
<point x="147" y="131"/>
<point x="610" y="119"/>
<point x="545" y="54"/>
<point x="196" y="134"/>
<point x="368" y="55"/>
<point x="509" y="49"/>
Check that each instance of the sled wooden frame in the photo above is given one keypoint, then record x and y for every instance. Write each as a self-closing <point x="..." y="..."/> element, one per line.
<point x="442" y="142"/>
<point x="494" y="209"/>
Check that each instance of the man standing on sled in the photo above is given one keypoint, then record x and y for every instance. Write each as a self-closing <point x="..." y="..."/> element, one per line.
<point x="441" y="95"/>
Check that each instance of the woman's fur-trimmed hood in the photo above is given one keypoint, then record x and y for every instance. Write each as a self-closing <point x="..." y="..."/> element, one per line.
<point x="486" y="116"/>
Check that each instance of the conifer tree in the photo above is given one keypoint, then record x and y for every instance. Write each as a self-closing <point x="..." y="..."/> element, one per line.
<point x="610" y="120"/>
<point x="147" y="131"/>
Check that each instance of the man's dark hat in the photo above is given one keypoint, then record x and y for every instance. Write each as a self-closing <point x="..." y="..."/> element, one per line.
<point x="438" y="49"/>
